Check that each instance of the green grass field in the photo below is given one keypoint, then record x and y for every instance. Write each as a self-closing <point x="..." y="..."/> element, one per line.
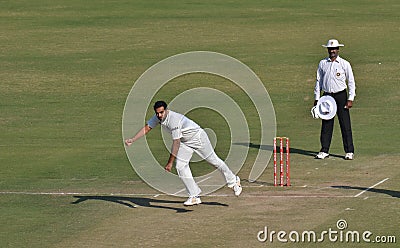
<point x="66" y="69"/>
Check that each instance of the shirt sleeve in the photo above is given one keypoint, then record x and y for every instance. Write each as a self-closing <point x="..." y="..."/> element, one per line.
<point x="176" y="134"/>
<point x="351" y="82"/>
<point x="153" y="122"/>
<point x="317" y="88"/>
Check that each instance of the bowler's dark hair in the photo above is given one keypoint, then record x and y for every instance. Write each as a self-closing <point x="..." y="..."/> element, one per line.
<point x="160" y="104"/>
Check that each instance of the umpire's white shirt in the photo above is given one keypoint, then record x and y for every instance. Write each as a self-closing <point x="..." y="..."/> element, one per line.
<point x="178" y="125"/>
<point x="332" y="77"/>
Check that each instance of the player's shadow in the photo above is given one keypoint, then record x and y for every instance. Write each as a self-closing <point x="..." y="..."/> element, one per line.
<point x="291" y="149"/>
<point x="375" y="190"/>
<point x="142" y="201"/>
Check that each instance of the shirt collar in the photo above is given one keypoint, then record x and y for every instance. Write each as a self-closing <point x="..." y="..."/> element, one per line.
<point x="336" y="60"/>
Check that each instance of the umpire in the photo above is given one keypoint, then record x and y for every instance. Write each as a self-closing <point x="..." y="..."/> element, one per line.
<point x="334" y="76"/>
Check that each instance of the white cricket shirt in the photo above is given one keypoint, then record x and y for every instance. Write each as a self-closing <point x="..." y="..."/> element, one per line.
<point x="332" y="77"/>
<point x="178" y="125"/>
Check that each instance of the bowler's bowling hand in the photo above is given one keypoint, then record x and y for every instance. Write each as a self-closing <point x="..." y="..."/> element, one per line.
<point x="128" y="142"/>
<point x="168" y="167"/>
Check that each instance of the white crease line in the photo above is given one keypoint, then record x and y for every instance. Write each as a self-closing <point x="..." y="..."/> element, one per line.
<point x="39" y="193"/>
<point x="179" y="191"/>
<point x="152" y="195"/>
<point x="329" y="187"/>
<point x="373" y="186"/>
<point x="283" y="196"/>
<point x="243" y="186"/>
<point x="74" y="193"/>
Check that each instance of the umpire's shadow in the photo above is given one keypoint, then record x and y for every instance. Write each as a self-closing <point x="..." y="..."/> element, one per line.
<point x="292" y="149"/>
<point x="142" y="201"/>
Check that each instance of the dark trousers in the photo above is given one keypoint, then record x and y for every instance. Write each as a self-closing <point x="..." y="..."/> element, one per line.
<point x="343" y="115"/>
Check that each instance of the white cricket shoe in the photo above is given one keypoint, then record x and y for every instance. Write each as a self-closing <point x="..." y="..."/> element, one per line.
<point x="349" y="156"/>
<point x="192" y="200"/>
<point x="237" y="188"/>
<point x="322" y="155"/>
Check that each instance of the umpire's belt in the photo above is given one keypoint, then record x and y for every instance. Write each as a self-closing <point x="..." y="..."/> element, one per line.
<point x="334" y="93"/>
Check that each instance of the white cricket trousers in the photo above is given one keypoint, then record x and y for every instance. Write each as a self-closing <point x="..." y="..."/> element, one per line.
<point x="200" y="144"/>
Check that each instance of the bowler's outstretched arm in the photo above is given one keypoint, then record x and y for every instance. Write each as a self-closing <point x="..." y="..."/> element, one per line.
<point x="138" y="135"/>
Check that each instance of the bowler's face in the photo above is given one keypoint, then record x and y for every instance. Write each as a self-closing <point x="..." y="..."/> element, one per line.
<point x="161" y="113"/>
<point x="333" y="52"/>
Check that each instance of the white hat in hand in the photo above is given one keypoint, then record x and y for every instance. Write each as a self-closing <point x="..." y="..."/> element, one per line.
<point x="314" y="112"/>
<point x="325" y="109"/>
